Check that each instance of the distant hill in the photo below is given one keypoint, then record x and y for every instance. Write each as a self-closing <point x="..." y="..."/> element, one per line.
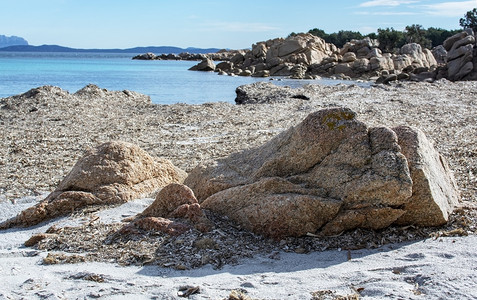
<point x="137" y="50"/>
<point x="6" y="41"/>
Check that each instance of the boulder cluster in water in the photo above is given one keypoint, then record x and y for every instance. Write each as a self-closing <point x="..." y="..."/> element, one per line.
<point x="305" y="56"/>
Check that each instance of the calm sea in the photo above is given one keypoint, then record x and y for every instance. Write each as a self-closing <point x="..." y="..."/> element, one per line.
<point x="165" y="82"/>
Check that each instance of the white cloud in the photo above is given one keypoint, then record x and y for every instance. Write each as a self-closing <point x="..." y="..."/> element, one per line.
<point x="450" y="9"/>
<point x="237" y="27"/>
<point x="387" y="13"/>
<point x="386" y="3"/>
<point x="367" y="29"/>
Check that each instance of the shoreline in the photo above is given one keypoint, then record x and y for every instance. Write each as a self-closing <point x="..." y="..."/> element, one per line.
<point x="46" y="130"/>
<point x="49" y="131"/>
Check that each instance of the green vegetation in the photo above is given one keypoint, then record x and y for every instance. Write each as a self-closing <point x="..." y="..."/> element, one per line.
<point x="469" y="20"/>
<point x="417" y="34"/>
<point x="391" y="39"/>
<point x="340" y="38"/>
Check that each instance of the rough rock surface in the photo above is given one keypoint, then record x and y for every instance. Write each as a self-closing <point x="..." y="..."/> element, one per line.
<point x="114" y="172"/>
<point x="305" y="56"/>
<point x="169" y="199"/>
<point x="329" y="174"/>
<point x="266" y="92"/>
<point x="460" y="56"/>
<point x="146" y="56"/>
<point x="440" y="54"/>
<point x="205" y="65"/>
<point x="433" y="186"/>
<point x="278" y="57"/>
<point x="417" y="56"/>
<point x="177" y="201"/>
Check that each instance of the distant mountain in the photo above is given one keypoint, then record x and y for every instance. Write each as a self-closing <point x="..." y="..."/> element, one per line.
<point x="136" y="50"/>
<point x="6" y="41"/>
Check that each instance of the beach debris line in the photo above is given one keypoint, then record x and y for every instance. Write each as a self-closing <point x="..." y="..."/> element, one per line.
<point x="331" y="295"/>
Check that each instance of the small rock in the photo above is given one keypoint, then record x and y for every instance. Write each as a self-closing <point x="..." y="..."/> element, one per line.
<point x="36" y="238"/>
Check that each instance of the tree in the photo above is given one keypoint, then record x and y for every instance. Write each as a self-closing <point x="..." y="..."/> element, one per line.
<point x="319" y="33"/>
<point x="345" y="36"/>
<point x="390" y="39"/>
<point x="417" y="34"/>
<point x="469" y="20"/>
<point x="437" y="36"/>
<point x="339" y="39"/>
<point x="292" y="34"/>
<point x="372" y="36"/>
<point x="342" y="37"/>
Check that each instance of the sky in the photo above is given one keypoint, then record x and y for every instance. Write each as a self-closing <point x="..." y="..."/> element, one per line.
<point x="210" y="23"/>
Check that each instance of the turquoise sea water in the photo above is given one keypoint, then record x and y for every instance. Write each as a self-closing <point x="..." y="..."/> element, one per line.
<point x="165" y="82"/>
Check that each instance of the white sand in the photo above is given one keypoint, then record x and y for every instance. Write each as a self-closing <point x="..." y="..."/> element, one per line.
<point x="445" y="268"/>
<point x="43" y="136"/>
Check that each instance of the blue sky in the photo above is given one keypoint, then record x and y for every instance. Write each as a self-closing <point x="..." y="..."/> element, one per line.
<point x="210" y="23"/>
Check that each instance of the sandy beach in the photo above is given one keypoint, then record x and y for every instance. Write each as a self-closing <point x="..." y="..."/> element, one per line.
<point x="440" y="268"/>
<point x="46" y="130"/>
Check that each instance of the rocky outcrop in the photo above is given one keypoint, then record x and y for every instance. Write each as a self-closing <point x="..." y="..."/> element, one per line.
<point x="266" y="92"/>
<point x="363" y="59"/>
<point x="305" y="56"/>
<point x="413" y="55"/>
<point x="113" y="173"/>
<point x="205" y="65"/>
<point x="171" y="56"/>
<point x="456" y="59"/>
<point x="146" y="56"/>
<point x="461" y="58"/>
<point x="329" y="174"/>
<point x="280" y="57"/>
<point x="221" y="55"/>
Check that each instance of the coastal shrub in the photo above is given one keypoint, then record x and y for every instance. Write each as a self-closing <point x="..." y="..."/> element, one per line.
<point x="469" y="20"/>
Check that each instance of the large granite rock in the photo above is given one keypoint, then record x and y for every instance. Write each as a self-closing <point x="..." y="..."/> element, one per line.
<point x="440" y="54"/>
<point x="328" y="174"/>
<point x="362" y="48"/>
<point x="145" y="56"/>
<point x="434" y="190"/>
<point x="281" y="57"/>
<point x="266" y="92"/>
<point x="205" y="65"/>
<point x="460" y="55"/>
<point x="384" y="62"/>
<point x="413" y="54"/>
<point x="114" y="172"/>
<point x="363" y="59"/>
<point x="302" y="48"/>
